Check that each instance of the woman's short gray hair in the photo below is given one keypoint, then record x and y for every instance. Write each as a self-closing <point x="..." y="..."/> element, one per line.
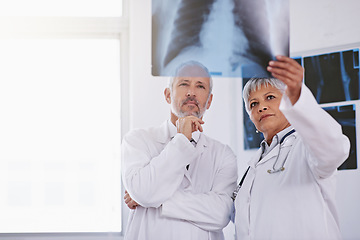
<point x="179" y="73"/>
<point x="256" y="83"/>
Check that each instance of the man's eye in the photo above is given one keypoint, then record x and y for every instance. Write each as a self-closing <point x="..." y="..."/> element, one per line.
<point x="270" y="97"/>
<point x="183" y="84"/>
<point x="201" y="86"/>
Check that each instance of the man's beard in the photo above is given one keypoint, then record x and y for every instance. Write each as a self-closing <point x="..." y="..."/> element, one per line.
<point x="180" y="114"/>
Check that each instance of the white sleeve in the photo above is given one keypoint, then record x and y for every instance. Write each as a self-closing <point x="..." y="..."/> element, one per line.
<point x="152" y="180"/>
<point x="210" y="210"/>
<point x="321" y="134"/>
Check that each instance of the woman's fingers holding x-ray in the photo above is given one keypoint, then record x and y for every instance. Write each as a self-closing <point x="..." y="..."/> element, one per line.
<point x="291" y="73"/>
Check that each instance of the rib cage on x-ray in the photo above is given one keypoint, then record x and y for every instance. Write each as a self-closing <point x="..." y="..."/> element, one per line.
<point x="254" y="26"/>
<point x="225" y="35"/>
<point x="189" y="20"/>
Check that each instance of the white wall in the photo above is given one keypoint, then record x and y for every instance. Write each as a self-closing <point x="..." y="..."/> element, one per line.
<point x="314" y="25"/>
<point x="323" y="24"/>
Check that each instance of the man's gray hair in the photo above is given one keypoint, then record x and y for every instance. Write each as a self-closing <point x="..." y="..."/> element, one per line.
<point x="197" y="65"/>
<point x="256" y="83"/>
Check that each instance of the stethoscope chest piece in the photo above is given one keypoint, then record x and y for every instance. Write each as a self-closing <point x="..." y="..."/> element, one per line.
<point x="276" y="170"/>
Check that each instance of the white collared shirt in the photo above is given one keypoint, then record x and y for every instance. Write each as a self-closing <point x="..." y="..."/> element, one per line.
<point x="275" y="141"/>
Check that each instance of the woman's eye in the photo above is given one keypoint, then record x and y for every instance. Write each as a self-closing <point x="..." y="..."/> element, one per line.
<point x="253" y="104"/>
<point x="270" y="97"/>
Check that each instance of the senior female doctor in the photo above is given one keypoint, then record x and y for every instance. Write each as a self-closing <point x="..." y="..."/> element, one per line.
<point x="289" y="189"/>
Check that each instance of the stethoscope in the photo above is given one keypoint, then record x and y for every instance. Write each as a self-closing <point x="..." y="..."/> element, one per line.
<point x="280" y="169"/>
<point x="270" y="171"/>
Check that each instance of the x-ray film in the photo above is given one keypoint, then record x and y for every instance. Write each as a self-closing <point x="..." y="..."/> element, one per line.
<point x="252" y="139"/>
<point x="345" y="115"/>
<point x="333" y="77"/>
<point x="232" y="38"/>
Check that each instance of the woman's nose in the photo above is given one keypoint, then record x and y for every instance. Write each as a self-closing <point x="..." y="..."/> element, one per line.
<point x="261" y="109"/>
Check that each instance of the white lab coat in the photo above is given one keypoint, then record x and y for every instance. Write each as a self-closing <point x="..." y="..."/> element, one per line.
<point x="299" y="202"/>
<point x="177" y="203"/>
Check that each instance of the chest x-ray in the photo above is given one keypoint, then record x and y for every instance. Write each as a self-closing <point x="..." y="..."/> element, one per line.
<point x="232" y="38"/>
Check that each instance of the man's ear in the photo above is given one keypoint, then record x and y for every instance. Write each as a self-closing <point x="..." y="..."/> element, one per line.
<point x="167" y="95"/>
<point x="209" y="102"/>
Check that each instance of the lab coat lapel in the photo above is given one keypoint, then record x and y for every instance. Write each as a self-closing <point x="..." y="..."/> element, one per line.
<point x="255" y="159"/>
<point x="187" y="180"/>
<point x="273" y="153"/>
<point x="201" y="146"/>
<point x="285" y="147"/>
<point x="162" y="133"/>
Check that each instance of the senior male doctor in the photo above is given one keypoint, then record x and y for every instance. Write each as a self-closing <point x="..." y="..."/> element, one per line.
<point x="179" y="181"/>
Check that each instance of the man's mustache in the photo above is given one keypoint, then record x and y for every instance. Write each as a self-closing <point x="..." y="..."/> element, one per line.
<point x="191" y="99"/>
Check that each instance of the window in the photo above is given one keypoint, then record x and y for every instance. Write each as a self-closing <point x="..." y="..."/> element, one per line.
<point x="61" y="103"/>
<point x="78" y="8"/>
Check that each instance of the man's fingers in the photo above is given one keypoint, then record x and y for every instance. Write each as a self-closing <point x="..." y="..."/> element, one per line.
<point x="189" y="124"/>
<point x="200" y="121"/>
<point x="132" y="204"/>
<point x="129" y="202"/>
<point x="199" y="126"/>
<point x="127" y="199"/>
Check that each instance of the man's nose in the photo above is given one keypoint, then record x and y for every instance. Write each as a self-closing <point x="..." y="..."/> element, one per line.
<point x="190" y="92"/>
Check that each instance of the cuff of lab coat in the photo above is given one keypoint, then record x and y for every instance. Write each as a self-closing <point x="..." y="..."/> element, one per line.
<point x="286" y="104"/>
<point x="183" y="141"/>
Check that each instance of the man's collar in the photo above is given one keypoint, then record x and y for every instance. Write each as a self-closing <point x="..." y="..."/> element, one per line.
<point x="172" y="128"/>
